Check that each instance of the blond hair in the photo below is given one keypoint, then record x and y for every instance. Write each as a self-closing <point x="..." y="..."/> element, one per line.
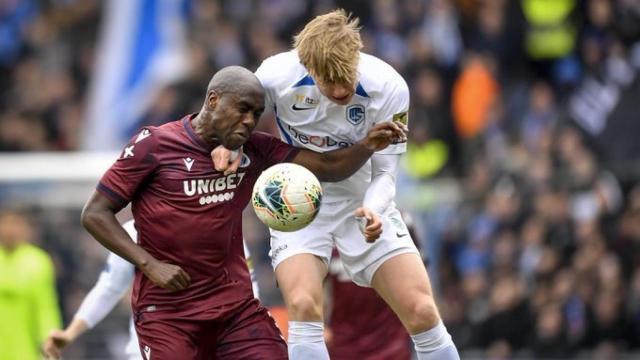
<point x="329" y="47"/>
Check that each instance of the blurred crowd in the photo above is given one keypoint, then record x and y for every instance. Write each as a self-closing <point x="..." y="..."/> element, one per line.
<point x="522" y="168"/>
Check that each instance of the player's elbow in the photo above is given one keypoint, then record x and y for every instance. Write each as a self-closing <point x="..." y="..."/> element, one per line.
<point x="88" y="217"/>
<point x="329" y="174"/>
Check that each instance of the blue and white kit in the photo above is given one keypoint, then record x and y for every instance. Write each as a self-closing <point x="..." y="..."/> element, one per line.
<point x="306" y="118"/>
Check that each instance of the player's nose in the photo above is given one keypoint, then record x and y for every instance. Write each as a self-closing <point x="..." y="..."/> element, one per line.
<point x="250" y="120"/>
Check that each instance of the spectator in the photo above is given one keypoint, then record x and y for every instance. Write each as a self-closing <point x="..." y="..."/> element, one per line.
<point x="530" y="169"/>
<point x="28" y="301"/>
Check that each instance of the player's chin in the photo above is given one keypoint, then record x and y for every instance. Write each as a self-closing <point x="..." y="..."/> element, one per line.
<point x="235" y="140"/>
<point x="343" y="100"/>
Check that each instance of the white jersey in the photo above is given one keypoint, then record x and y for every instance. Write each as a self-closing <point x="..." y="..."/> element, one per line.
<point x="306" y="118"/>
<point x="114" y="281"/>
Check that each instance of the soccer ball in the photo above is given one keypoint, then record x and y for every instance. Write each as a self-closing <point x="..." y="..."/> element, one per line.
<point x="286" y="197"/>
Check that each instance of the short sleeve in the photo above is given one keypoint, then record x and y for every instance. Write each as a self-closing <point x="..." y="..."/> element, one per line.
<point x="274" y="150"/>
<point x="136" y="162"/>
<point x="264" y="75"/>
<point x="395" y="108"/>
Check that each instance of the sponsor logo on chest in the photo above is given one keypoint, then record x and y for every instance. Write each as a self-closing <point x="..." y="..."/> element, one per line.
<point x="213" y="190"/>
<point x="303" y="102"/>
<point x="319" y="141"/>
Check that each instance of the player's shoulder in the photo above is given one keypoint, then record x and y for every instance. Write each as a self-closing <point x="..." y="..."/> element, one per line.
<point x="261" y="142"/>
<point x="259" y="138"/>
<point x="281" y="70"/>
<point x="168" y="128"/>
<point x="378" y="77"/>
<point x="159" y="134"/>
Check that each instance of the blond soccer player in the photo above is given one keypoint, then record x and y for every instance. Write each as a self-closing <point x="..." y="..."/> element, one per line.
<point x="326" y="94"/>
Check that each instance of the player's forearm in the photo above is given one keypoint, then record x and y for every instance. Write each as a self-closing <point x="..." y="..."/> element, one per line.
<point x="76" y="328"/>
<point x="339" y="164"/>
<point x="380" y="193"/>
<point x="100" y="220"/>
<point x="98" y="303"/>
<point x="382" y="190"/>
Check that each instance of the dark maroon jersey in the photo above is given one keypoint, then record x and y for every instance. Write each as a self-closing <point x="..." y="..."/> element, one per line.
<point x="188" y="214"/>
<point x="363" y="325"/>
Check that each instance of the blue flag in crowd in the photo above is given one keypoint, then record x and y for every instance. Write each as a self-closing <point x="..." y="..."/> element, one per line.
<point x="142" y="48"/>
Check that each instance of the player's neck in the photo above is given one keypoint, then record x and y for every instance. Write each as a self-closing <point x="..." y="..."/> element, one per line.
<point x="199" y="125"/>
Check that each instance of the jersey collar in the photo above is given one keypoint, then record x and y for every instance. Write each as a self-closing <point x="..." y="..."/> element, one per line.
<point x="307" y="80"/>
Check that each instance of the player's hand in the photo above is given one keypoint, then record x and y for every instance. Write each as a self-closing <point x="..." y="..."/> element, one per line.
<point x="226" y="160"/>
<point x="55" y="342"/>
<point x="369" y="223"/>
<point x="384" y="134"/>
<point x="167" y="276"/>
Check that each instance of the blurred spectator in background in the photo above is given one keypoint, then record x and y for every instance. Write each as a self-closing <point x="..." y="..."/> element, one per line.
<point x="523" y="155"/>
<point x="28" y="301"/>
<point x="474" y="95"/>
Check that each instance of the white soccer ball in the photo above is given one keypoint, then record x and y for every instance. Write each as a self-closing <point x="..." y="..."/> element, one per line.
<point x="286" y="197"/>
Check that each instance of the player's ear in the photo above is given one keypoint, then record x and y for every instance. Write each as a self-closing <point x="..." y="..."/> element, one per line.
<point x="212" y="99"/>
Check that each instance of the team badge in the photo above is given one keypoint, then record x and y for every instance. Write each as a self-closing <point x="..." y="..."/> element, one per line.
<point x="355" y="114"/>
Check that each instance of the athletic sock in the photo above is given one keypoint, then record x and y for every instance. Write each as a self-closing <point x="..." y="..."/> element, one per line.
<point x="435" y="344"/>
<point x="306" y="341"/>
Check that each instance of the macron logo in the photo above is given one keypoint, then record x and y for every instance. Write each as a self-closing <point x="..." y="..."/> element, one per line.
<point x="147" y="352"/>
<point x="188" y="162"/>
<point x="145" y="133"/>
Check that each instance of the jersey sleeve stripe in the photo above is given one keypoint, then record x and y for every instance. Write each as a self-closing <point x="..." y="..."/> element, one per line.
<point x="279" y="123"/>
<point x="360" y="91"/>
<point x="305" y="81"/>
<point x="112" y="195"/>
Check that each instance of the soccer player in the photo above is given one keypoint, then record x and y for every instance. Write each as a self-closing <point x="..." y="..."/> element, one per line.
<point x="113" y="283"/>
<point x="192" y="294"/>
<point x="28" y="301"/>
<point x="360" y="324"/>
<point x="325" y="94"/>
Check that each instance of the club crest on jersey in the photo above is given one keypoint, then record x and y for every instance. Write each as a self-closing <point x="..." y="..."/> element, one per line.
<point x="355" y="114"/>
<point x="245" y="161"/>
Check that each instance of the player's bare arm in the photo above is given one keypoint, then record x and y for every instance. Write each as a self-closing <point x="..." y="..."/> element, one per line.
<point x="59" y="339"/>
<point x="332" y="165"/>
<point x="98" y="217"/>
<point x="339" y="164"/>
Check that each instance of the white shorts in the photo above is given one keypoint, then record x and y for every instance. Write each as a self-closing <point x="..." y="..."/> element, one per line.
<point x="336" y="226"/>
